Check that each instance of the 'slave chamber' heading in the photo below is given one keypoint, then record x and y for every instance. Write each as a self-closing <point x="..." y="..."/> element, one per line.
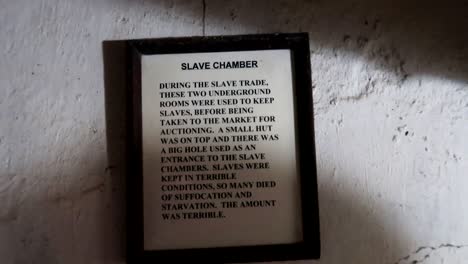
<point x="219" y="65"/>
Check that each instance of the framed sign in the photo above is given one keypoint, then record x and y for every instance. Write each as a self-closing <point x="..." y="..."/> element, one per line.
<point x="221" y="150"/>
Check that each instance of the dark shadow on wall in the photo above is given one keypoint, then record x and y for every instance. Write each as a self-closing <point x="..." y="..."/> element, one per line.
<point x="355" y="229"/>
<point x="115" y="109"/>
<point x="406" y="38"/>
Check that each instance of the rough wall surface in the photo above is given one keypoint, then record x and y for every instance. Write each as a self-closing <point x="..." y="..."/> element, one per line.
<point x="391" y="115"/>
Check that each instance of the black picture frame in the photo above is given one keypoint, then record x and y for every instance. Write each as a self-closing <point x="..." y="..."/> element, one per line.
<point x="298" y="44"/>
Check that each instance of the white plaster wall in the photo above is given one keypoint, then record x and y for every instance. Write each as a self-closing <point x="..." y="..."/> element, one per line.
<point x="391" y="115"/>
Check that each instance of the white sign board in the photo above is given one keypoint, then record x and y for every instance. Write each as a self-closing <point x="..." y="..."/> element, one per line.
<point x="219" y="150"/>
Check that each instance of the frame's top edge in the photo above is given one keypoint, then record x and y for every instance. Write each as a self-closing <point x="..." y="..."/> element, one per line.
<point x="218" y="43"/>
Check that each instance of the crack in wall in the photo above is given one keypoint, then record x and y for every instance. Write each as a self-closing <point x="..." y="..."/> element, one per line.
<point x="98" y="187"/>
<point x="431" y="250"/>
<point x="204" y="16"/>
